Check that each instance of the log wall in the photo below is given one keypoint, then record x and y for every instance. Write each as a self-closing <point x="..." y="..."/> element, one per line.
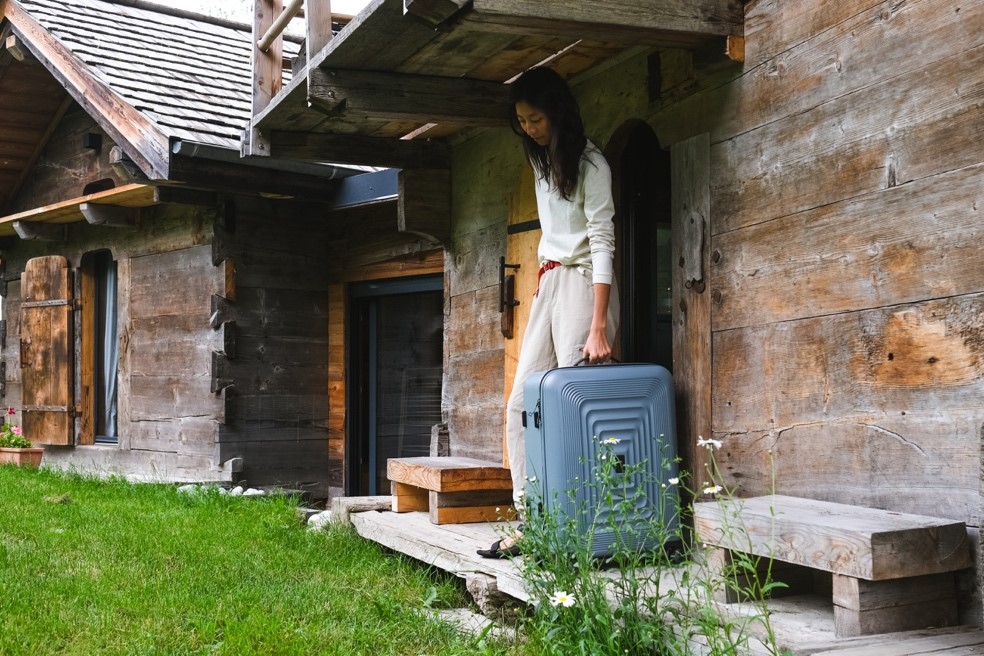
<point x="845" y="165"/>
<point x="168" y="419"/>
<point x="277" y="304"/>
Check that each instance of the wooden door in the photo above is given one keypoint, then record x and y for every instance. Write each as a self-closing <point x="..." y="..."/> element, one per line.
<point x="522" y="239"/>
<point x="46" y="351"/>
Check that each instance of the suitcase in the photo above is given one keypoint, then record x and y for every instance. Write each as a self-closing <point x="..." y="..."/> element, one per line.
<point x="569" y="414"/>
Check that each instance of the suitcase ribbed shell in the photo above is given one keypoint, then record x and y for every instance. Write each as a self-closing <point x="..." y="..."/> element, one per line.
<point x="570" y="413"/>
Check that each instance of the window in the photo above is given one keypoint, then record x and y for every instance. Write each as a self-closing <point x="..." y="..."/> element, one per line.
<point x="99" y="349"/>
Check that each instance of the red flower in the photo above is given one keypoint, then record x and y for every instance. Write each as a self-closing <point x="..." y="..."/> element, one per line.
<point x="11" y="411"/>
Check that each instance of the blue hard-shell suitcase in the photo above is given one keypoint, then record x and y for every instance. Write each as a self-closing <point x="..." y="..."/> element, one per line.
<point x="575" y="415"/>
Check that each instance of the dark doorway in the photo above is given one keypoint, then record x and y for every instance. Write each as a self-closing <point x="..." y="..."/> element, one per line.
<point x="396" y="362"/>
<point x="641" y="170"/>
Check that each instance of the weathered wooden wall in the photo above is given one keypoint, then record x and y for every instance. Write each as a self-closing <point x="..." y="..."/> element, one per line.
<point x="168" y="419"/>
<point x="276" y="405"/>
<point x="65" y="167"/>
<point x="847" y="329"/>
<point x="845" y="292"/>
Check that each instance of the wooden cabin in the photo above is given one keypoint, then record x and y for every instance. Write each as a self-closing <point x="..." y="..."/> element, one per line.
<point x="799" y="186"/>
<point x="165" y="301"/>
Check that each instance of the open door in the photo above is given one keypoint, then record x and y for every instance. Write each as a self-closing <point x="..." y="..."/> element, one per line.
<point x="46" y="351"/>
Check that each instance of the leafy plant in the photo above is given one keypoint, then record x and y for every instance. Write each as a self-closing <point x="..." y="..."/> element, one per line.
<point x="11" y="436"/>
<point x="653" y="593"/>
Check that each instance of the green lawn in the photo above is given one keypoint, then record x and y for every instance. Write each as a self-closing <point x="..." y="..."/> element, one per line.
<point x="95" y="567"/>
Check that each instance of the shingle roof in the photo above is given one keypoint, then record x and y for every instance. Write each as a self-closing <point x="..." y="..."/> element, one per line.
<point x="190" y="75"/>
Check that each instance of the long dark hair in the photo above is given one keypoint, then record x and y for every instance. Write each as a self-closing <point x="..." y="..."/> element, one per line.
<point x="560" y="160"/>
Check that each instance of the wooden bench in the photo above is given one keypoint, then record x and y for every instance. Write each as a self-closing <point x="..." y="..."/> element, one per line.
<point x="453" y="490"/>
<point x="890" y="571"/>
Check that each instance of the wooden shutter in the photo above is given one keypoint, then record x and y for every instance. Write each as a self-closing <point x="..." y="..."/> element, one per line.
<point x="46" y="351"/>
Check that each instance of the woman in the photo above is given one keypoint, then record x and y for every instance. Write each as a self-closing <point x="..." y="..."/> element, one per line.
<point x="574" y="313"/>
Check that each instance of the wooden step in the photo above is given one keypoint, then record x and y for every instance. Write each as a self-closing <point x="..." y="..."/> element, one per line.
<point x="453" y="490"/>
<point x="891" y="571"/>
<point x="865" y="543"/>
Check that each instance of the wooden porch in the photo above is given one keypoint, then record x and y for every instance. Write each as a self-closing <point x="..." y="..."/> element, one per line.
<point x="804" y="624"/>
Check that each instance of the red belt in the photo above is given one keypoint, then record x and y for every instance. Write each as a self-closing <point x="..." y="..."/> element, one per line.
<point x="546" y="266"/>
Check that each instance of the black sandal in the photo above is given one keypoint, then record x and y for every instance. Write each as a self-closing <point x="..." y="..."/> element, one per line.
<point x="496" y="551"/>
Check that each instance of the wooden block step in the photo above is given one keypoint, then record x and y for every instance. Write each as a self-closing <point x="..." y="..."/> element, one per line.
<point x="865" y="543"/>
<point x="452" y="490"/>
<point x="449" y="474"/>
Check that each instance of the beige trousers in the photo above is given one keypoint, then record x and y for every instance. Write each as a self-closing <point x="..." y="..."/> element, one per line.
<point x="560" y="319"/>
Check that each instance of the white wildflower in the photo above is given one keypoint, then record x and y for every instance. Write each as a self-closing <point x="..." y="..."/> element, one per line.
<point x="712" y="489"/>
<point x="561" y="598"/>
<point x="611" y="440"/>
<point x="710" y="444"/>
<point x="673" y="481"/>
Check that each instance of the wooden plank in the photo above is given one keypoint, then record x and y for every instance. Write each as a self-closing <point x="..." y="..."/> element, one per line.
<point x="793" y="83"/>
<point x="452" y="474"/>
<point x="132" y="195"/>
<point x="867" y="607"/>
<point x="451" y="548"/>
<point x="87" y="352"/>
<point x="385" y="21"/>
<point x="861" y="542"/>
<point x="689" y="18"/>
<point x="408" y="498"/>
<point x="692" y="379"/>
<point x="402" y="97"/>
<point x="893" y="252"/>
<point x="342" y="508"/>
<point x="957" y="643"/>
<point x="857" y="594"/>
<point x="469" y="515"/>
<point x="433" y="12"/>
<point x="46" y="351"/>
<point x="124" y="331"/>
<point x="355" y="149"/>
<point x="922" y="136"/>
<point x="337" y="376"/>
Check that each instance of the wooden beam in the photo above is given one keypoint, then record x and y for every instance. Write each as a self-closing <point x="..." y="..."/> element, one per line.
<point x="267" y="71"/>
<point x="114" y="216"/>
<point x="317" y="16"/>
<point x="356" y="149"/>
<point x="424" y="206"/>
<point x="433" y="12"/>
<point x="16" y="48"/>
<point x="180" y="196"/>
<point x="123" y="124"/>
<point x="631" y="22"/>
<point x="32" y="230"/>
<point x="734" y="48"/>
<point x="412" y="98"/>
<point x="227" y="177"/>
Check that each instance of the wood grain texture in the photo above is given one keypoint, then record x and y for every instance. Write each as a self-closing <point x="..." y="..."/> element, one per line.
<point x="46" y="352"/>
<point x="452" y="474"/>
<point x="853" y="541"/>
<point x="691" y="313"/>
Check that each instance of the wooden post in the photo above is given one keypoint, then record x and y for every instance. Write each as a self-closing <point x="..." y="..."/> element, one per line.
<point x="318" y="17"/>
<point x="267" y="71"/>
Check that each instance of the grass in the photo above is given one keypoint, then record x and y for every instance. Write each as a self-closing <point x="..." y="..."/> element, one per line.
<point x="106" y="567"/>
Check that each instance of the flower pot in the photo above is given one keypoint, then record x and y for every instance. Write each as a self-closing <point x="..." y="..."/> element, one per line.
<point x="22" y="457"/>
